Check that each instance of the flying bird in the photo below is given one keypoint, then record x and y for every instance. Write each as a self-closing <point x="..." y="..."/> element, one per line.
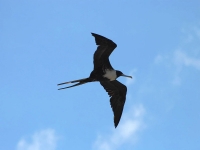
<point x="106" y="75"/>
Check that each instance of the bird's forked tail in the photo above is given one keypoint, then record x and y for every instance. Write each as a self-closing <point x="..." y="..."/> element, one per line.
<point x="81" y="81"/>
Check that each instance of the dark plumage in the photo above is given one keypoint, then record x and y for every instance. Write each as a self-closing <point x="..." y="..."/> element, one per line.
<point x="106" y="75"/>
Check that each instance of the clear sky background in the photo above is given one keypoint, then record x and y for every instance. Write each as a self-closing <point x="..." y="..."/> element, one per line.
<point x="43" y="43"/>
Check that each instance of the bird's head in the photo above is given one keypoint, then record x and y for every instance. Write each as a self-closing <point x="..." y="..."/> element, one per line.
<point x="119" y="73"/>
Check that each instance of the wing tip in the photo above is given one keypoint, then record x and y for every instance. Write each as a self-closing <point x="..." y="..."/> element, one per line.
<point x="101" y="40"/>
<point x="93" y="34"/>
<point x="116" y="121"/>
<point x="98" y="36"/>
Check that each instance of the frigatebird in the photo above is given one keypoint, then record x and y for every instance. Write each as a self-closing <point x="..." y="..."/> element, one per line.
<point x="106" y="75"/>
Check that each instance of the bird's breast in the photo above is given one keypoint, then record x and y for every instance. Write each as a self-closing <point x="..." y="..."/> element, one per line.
<point x="110" y="74"/>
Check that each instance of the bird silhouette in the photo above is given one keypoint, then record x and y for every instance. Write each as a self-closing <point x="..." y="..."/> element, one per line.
<point x="106" y="75"/>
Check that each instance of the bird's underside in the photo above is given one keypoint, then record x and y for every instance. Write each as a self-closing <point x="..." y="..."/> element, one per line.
<point x="116" y="90"/>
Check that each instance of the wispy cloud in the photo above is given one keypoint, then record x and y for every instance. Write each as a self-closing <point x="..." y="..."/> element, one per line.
<point x="187" y="55"/>
<point x="42" y="140"/>
<point x="178" y="61"/>
<point x="181" y="58"/>
<point x="191" y="34"/>
<point x="126" y="132"/>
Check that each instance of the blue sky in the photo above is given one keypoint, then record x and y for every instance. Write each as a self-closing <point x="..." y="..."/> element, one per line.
<point x="43" y="43"/>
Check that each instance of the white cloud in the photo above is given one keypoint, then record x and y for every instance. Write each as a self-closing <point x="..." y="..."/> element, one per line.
<point x="183" y="59"/>
<point x="42" y="140"/>
<point x="187" y="55"/>
<point x="191" y="34"/>
<point x="177" y="61"/>
<point x="129" y="81"/>
<point x="126" y="132"/>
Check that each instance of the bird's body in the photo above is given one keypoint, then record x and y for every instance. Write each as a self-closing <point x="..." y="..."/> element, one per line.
<point x="106" y="75"/>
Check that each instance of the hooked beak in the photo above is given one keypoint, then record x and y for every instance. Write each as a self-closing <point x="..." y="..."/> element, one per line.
<point x="126" y="76"/>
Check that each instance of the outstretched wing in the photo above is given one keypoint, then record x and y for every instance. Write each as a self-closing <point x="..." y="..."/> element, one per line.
<point x="117" y="92"/>
<point x="104" y="49"/>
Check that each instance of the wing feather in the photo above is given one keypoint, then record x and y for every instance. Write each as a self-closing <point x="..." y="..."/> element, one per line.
<point x="117" y="92"/>
<point x="104" y="49"/>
